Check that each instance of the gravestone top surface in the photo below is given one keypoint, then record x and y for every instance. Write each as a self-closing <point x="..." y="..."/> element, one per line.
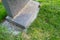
<point x="14" y="6"/>
<point x="21" y="13"/>
<point x="26" y="17"/>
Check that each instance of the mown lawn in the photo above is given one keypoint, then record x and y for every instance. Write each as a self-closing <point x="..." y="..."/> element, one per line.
<point x="47" y="24"/>
<point x="2" y="12"/>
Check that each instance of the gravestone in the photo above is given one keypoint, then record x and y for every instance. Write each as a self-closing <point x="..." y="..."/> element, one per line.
<point x="21" y="13"/>
<point x="14" y="6"/>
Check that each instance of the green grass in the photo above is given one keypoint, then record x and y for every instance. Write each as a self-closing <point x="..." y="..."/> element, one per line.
<point x="2" y="12"/>
<point x="47" y="24"/>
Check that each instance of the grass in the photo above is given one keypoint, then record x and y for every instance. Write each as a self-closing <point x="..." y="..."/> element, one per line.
<point x="47" y="24"/>
<point x="2" y="12"/>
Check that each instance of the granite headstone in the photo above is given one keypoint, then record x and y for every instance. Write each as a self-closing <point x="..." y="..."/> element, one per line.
<point x="14" y="6"/>
<point x="21" y="13"/>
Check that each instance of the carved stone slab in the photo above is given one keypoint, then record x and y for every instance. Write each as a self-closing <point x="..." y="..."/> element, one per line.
<point x="25" y="17"/>
<point x="14" y="6"/>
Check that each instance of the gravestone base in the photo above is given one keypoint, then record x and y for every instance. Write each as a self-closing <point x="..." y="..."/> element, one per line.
<point x="24" y="18"/>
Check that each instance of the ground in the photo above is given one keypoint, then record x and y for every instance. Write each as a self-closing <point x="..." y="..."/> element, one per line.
<point x="47" y="24"/>
<point x="2" y="12"/>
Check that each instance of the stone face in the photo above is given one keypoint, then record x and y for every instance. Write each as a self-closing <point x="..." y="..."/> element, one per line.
<point x="14" y="6"/>
<point x="27" y="16"/>
<point x="21" y="13"/>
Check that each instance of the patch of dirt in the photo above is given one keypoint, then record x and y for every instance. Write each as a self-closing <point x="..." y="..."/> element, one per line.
<point x="0" y="1"/>
<point x="25" y="36"/>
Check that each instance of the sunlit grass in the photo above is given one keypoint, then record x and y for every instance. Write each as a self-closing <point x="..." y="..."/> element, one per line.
<point x="2" y="12"/>
<point x="47" y="24"/>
